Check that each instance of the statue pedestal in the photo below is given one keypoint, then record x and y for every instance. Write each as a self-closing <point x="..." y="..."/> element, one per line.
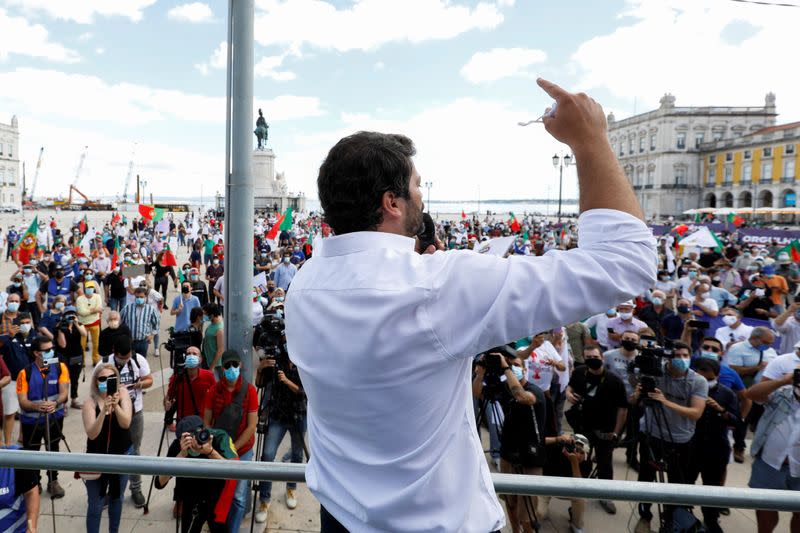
<point x="264" y="172"/>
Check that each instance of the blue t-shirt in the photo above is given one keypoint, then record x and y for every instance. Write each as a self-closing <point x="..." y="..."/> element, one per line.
<point x="182" y="322"/>
<point x="727" y="376"/>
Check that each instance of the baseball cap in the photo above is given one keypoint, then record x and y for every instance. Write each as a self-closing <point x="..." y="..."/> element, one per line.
<point x="230" y="355"/>
<point x="188" y="424"/>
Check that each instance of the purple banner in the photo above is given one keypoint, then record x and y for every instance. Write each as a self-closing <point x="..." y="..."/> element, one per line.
<point x="766" y="236"/>
<point x="659" y="230"/>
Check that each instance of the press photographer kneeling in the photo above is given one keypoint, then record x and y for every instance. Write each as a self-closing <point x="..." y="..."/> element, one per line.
<point x="674" y="398"/>
<point x="499" y="376"/>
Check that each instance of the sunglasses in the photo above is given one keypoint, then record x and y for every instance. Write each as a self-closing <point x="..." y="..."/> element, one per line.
<point x="711" y="348"/>
<point x="103" y="379"/>
<point x="234" y="364"/>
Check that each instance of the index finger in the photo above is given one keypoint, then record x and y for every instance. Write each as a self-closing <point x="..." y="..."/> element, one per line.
<point x="551" y="88"/>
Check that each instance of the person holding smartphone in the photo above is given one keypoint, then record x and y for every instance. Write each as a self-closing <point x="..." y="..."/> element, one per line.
<point x="107" y="418"/>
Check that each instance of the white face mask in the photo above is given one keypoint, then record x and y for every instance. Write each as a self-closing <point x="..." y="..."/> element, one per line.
<point x="626" y="316"/>
<point x="729" y="320"/>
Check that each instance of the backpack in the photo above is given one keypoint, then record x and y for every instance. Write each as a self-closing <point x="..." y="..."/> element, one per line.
<point x="231" y="416"/>
<point x="15" y="360"/>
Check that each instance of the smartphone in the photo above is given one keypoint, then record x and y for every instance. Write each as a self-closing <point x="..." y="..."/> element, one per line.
<point x="699" y="324"/>
<point x="796" y="377"/>
<point x="111" y="384"/>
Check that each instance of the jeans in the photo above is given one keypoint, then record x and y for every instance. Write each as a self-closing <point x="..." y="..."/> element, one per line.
<point x="116" y="304"/>
<point x="94" y="510"/>
<point x="140" y="347"/>
<point x="603" y="453"/>
<point x="276" y="430"/>
<point x="239" y="503"/>
<point x="136" y="429"/>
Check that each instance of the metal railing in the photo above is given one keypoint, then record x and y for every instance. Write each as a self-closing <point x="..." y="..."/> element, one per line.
<point x="742" y="498"/>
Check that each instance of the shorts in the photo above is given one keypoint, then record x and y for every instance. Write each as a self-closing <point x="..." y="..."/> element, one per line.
<point x="10" y="399"/>
<point x="764" y="476"/>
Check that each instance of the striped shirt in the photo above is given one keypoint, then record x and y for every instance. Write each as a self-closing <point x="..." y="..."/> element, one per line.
<point x="142" y="320"/>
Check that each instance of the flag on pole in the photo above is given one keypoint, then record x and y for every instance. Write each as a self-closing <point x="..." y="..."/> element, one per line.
<point x="86" y="242"/>
<point x="116" y="218"/>
<point x="513" y="224"/>
<point x="168" y="259"/>
<point x="286" y="224"/>
<point x="793" y="249"/>
<point x="463" y="215"/>
<point x="151" y="213"/>
<point x="273" y="231"/>
<point x="83" y="225"/>
<point x="26" y="244"/>
<point x="115" y="254"/>
<point x="735" y="219"/>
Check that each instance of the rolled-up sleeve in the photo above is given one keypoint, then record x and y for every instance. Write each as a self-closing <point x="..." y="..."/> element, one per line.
<point x="480" y="301"/>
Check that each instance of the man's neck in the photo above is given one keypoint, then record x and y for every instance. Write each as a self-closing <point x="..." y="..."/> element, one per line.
<point x="598" y="372"/>
<point x="675" y="373"/>
<point x="658" y="308"/>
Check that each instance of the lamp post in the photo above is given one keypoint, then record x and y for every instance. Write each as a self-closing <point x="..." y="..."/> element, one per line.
<point x="560" y="162"/>
<point x="428" y="185"/>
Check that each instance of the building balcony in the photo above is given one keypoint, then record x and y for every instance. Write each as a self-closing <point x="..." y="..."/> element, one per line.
<point x="765" y="181"/>
<point x="637" y="187"/>
<point x="648" y="186"/>
<point x="787" y="179"/>
<point x="711" y="184"/>
<point x="674" y="186"/>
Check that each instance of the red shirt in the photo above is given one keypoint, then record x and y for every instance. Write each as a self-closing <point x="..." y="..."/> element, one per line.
<point x="249" y="405"/>
<point x="218" y="250"/>
<point x="186" y="406"/>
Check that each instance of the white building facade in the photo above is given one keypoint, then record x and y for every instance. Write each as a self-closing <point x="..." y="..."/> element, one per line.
<point x="662" y="151"/>
<point x="10" y="175"/>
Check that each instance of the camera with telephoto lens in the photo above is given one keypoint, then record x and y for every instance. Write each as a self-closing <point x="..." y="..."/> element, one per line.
<point x="268" y="337"/>
<point x="201" y="435"/>
<point x="490" y="361"/>
<point x="177" y="345"/>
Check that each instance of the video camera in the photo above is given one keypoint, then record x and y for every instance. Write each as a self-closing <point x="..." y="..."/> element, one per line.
<point x="490" y="361"/>
<point x="177" y="344"/>
<point x="650" y="362"/>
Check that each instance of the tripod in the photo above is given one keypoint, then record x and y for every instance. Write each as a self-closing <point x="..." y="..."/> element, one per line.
<point x="491" y="402"/>
<point x="658" y="461"/>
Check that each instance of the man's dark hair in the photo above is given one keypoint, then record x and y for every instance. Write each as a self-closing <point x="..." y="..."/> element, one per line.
<point x="709" y="365"/>
<point x="212" y="309"/>
<point x="123" y="344"/>
<point x="592" y="347"/>
<point x="36" y="344"/>
<point x="714" y="340"/>
<point x="680" y="345"/>
<point x="195" y="313"/>
<point x="356" y="173"/>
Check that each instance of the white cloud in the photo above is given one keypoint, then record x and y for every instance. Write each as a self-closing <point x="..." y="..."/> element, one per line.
<point x="88" y="98"/>
<point x="19" y="37"/>
<point x="195" y="12"/>
<point x="380" y="65"/>
<point x="501" y="63"/>
<point x="368" y="24"/>
<point x="218" y="60"/>
<point x="267" y="67"/>
<point x="678" y="46"/>
<point x="99" y="50"/>
<point x="83" y="37"/>
<point x="85" y="11"/>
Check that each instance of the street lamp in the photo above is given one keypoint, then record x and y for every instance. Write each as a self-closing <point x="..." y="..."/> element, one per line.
<point x="560" y="163"/>
<point x="428" y="185"/>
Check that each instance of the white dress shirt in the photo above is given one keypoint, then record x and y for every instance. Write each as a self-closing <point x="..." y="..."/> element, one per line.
<point x="384" y="340"/>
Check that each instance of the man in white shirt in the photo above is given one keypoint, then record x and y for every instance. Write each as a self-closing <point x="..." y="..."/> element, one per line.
<point x="373" y="460"/>
<point x="788" y="326"/>
<point x="685" y="284"/>
<point x="600" y="324"/>
<point x="734" y="329"/>
<point x="703" y="304"/>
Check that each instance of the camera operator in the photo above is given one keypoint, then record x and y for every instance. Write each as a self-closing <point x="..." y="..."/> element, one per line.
<point x="69" y="347"/>
<point x="567" y="456"/>
<point x="710" y="448"/>
<point x="620" y="363"/>
<point x="600" y="407"/>
<point x="286" y="407"/>
<point x="196" y="327"/>
<point x="522" y="436"/>
<point x="114" y="330"/>
<point x="205" y="501"/>
<point x="188" y="386"/>
<point x="671" y="410"/>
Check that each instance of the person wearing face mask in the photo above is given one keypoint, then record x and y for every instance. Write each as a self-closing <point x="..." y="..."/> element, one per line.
<point x="182" y="306"/>
<point x="189" y="389"/>
<point x="734" y="329"/>
<point x="787" y="324"/>
<point x="730" y="279"/>
<point x="198" y="286"/>
<point x="670" y="415"/>
<point x="214" y="273"/>
<point x="101" y="265"/>
<point x="32" y="280"/>
<point x="134" y="374"/>
<point x="9" y="316"/>
<point x="618" y="362"/>
<point x="285" y="272"/>
<point x="703" y="305"/>
<point x="297" y="257"/>
<point x="90" y="308"/>
<point x="655" y="312"/>
<point x="108" y="336"/>
<point x="14" y="351"/>
<point x="601" y="407"/>
<point x="115" y="291"/>
<point x="232" y="405"/>
<point x="599" y="323"/>
<point x="778" y="288"/>
<point x="710" y="447"/>
<point x="208" y="249"/>
<point x="687" y="282"/>
<point x="142" y="319"/>
<point x="213" y="339"/>
<point x="59" y="284"/>
<point x="70" y="340"/>
<point x="756" y="302"/>
<point x="19" y="288"/>
<point x="624" y="321"/>
<point x="668" y="286"/>
<point x="776" y="443"/>
<point x="43" y="387"/>
<point x="262" y="263"/>
<point x="789" y="271"/>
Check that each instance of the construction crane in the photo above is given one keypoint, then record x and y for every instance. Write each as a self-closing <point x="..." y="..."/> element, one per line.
<point x="36" y="175"/>
<point x="128" y="177"/>
<point x="68" y="203"/>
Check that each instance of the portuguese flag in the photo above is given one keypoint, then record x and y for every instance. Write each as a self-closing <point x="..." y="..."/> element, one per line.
<point x="26" y="245"/>
<point x="151" y="213"/>
<point x="463" y="215"/>
<point x="793" y="249"/>
<point x="115" y="255"/>
<point x="513" y="224"/>
<point x="286" y="223"/>
<point x="273" y="231"/>
<point x="735" y="219"/>
<point x="83" y="225"/>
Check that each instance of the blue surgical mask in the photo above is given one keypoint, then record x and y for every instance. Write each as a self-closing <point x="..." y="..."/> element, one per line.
<point x="13" y="306"/>
<point x="59" y="305"/>
<point x="762" y="347"/>
<point x="102" y="386"/>
<point x="232" y="373"/>
<point x="679" y="363"/>
<point x="139" y="301"/>
<point x="279" y="298"/>
<point x="657" y="301"/>
<point x="47" y="355"/>
<point x="89" y="277"/>
<point x="517" y="372"/>
<point x="192" y="361"/>
<point x="692" y="274"/>
<point x="709" y="355"/>
<point x="611" y="312"/>
<point x="89" y="291"/>
<point x="206" y="318"/>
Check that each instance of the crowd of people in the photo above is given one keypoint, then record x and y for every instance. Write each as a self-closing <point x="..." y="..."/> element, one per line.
<point x="677" y="377"/>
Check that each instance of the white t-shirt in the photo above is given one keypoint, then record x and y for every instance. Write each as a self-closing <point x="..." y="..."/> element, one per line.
<point x="778" y="445"/>
<point x="683" y="285"/>
<point x="131" y="282"/>
<point x="129" y="374"/>
<point x="537" y="372"/>
<point x="600" y="324"/>
<point x="724" y="334"/>
<point x="665" y="286"/>
<point x="790" y="334"/>
<point x="781" y="365"/>
<point x="710" y="304"/>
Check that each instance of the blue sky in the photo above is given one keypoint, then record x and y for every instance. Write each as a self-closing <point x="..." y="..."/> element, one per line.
<point x="455" y="75"/>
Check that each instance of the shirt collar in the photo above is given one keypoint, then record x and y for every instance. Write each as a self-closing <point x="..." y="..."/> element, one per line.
<point x="360" y="241"/>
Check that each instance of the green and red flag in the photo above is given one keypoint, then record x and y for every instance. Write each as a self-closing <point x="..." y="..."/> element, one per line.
<point x="287" y="222"/>
<point x="115" y="254"/>
<point x="83" y="225"/>
<point x="168" y="259"/>
<point x="463" y="215"/>
<point x="735" y="219"/>
<point x="26" y="245"/>
<point x="719" y="246"/>
<point x="513" y="224"/>
<point x="697" y="218"/>
<point x="116" y="218"/>
<point x="151" y="213"/>
<point x="793" y="249"/>
<point x="273" y="231"/>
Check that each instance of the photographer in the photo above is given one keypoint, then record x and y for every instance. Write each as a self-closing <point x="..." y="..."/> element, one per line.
<point x="188" y="386"/>
<point x="205" y="501"/>
<point x="286" y="407"/>
<point x="69" y="343"/>
<point x="599" y="410"/>
<point x="620" y="363"/>
<point x="522" y="436"/>
<point x="567" y="456"/>
<point x="673" y="403"/>
<point x="14" y="350"/>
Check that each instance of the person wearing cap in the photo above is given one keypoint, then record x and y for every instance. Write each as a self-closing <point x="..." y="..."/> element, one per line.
<point x="59" y="284"/>
<point x="779" y="288"/>
<point x="789" y="271"/>
<point x="205" y="501"/>
<point x="89" y="306"/>
<point x="229" y="397"/>
<point x="624" y="321"/>
<point x="70" y="340"/>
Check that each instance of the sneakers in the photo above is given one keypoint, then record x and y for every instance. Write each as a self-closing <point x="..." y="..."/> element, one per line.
<point x="574" y="529"/>
<point x="138" y="499"/>
<point x="291" y="500"/>
<point x="642" y="526"/>
<point x="738" y="456"/>
<point x="262" y="513"/>
<point x="609" y="506"/>
<point x="54" y="489"/>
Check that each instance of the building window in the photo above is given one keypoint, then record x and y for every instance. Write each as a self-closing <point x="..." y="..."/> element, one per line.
<point x="717" y="136"/>
<point x="712" y="175"/>
<point x="788" y="168"/>
<point x="698" y="139"/>
<point x="712" y="159"/>
<point x="2" y="177"/>
<point x="11" y="201"/>
<point x="728" y="157"/>
<point x="653" y="141"/>
<point x="630" y="146"/>
<point x="1" y="148"/>
<point x="728" y="175"/>
<point x="641" y="144"/>
<point x="680" y="176"/>
<point x="748" y="154"/>
<point x="679" y="205"/>
<point x="11" y="181"/>
<point x="768" y="152"/>
<point x="639" y="176"/>
<point x="747" y="173"/>
<point x="10" y="150"/>
<point x="651" y="176"/>
<point x="621" y="149"/>
<point x="766" y="171"/>
<point x="681" y="144"/>
<point x="789" y="149"/>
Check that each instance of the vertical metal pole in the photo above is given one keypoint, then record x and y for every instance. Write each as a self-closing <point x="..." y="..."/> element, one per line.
<point x="239" y="185"/>
<point x="560" y="177"/>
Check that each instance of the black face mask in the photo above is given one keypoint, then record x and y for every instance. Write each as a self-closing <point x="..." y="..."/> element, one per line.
<point x="185" y="290"/>
<point x="595" y="363"/>
<point x="629" y="345"/>
<point x="683" y="309"/>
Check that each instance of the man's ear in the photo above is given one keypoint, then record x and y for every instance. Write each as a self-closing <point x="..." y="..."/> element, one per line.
<point x="390" y="204"/>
